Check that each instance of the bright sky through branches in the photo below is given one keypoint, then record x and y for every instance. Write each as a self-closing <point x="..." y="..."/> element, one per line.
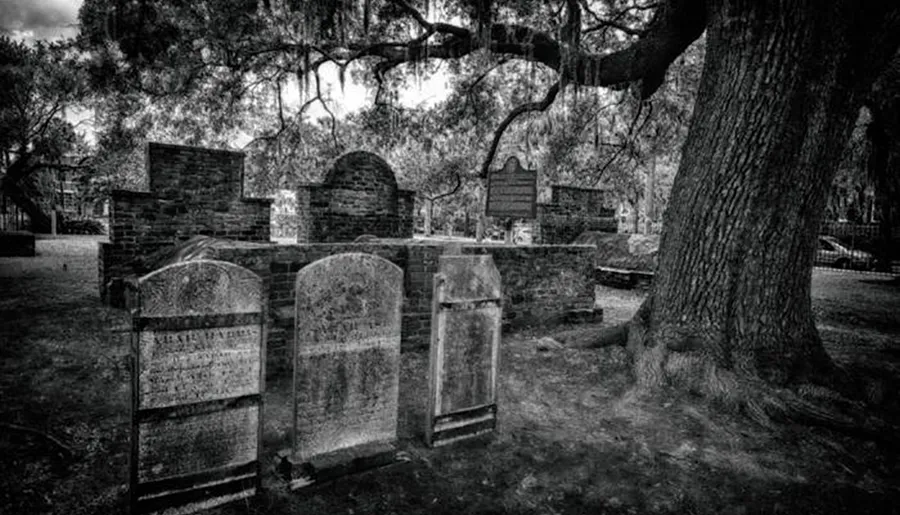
<point x="32" y="20"/>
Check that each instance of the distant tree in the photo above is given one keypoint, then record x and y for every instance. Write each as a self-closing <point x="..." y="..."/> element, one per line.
<point x="38" y="83"/>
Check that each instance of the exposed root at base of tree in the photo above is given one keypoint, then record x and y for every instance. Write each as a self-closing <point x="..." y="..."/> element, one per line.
<point x="587" y="338"/>
<point x="767" y="405"/>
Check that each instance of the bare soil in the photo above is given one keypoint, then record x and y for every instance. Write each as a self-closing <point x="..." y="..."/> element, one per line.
<point x="573" y="437"/>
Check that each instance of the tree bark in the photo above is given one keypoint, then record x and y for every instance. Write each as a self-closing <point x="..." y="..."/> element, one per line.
<point x="781" y="88"/>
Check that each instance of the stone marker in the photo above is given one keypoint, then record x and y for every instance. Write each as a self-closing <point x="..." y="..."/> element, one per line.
<point x="197" y="383"/>
<point x="465" y="343"/>
<point x="346" y="367"/>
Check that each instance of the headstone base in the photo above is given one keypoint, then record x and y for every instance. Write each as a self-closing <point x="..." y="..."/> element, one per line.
<point x="334" y="465"/>
<point x="461" y="425"/>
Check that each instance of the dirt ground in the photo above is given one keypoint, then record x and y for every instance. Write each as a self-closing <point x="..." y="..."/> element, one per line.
<point x="572" y="438"/>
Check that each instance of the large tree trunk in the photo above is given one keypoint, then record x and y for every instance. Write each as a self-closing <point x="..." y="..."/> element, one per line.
<point x="730" y="304"/>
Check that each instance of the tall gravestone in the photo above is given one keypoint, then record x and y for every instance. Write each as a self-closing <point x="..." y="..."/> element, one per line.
<point x="346" y="367"/>
<point x="465" y="344"/>
<point x="198" y="376"/>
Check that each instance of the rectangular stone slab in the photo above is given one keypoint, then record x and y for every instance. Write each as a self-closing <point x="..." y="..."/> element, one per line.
<point x="197" y="383"/>
<point x="346" y="355"/>
<point x="465" y="341"/>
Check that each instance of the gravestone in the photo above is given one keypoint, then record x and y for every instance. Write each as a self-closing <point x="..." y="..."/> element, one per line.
<point x="465" y="344"/>
<point x="197" y="383"/>
<point x="346" y="367"/>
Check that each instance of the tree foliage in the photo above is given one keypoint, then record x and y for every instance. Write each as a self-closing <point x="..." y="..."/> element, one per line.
<point x="39" y="83"/>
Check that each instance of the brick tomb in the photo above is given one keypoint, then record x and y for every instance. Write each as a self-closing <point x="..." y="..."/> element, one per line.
<point x="359" y="195"/>
<point x="193" y="191"/>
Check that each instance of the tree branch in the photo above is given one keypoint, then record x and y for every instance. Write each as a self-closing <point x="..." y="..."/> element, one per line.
<point x="615" y="23"/>
<point x="515" y="113"/>
<point x="444" y="28"/>
<point x="676" y="25"/>
<point x="606" y="24"/>
<point x="327" y="110"/>
<point x="451" y="192"/>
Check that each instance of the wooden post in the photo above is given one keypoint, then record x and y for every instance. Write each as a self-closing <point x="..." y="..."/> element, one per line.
<point x="649" y="198"/>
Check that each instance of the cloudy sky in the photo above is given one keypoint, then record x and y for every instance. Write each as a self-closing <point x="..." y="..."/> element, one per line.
<point x="39" y="19"/>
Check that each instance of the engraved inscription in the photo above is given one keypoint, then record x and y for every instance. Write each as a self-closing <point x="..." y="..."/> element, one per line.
<point x="175" y="447"/>
<point x="344" y="335"/>
<point x="184" y="424"/>
<point x="180" y="367"/>
<point x="347" y="353"/>
<point x="346" y="398"/>
<point x="468" y="364"/>
<point x="465" y="342"/>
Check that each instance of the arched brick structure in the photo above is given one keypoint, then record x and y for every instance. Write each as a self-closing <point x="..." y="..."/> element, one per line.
<point x="359" y="195"/>
<point x="361" y="184"/>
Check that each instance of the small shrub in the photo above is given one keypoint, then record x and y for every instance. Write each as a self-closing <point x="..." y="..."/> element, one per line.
<point x="83" y="226"/>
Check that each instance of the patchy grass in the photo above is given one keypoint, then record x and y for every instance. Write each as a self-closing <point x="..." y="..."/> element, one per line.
<point x="572" y="436"/>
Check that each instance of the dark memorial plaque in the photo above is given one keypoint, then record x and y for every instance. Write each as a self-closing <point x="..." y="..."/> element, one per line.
<point x="465" y="344"/>
<point x="512" y="191"/>
<point x="346" y="367"/>
<point x="197" y="384"/>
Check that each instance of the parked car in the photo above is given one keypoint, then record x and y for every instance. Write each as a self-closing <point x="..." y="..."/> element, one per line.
<point x="832" y="252"/>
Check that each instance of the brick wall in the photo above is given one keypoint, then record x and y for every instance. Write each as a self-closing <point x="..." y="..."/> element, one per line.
<point x="572" y="211"/>
<point x="194" y="191"/>
<point x="541" y="284"/>
<point x="202" y="174"/>
<point x="358" y="196"/>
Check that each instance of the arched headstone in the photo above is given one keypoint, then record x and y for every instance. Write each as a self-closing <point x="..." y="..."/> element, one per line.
<point x="197" y="385"/>
<point x="346" y="366"/>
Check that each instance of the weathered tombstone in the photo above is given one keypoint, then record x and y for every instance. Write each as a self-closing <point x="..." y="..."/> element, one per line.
<point x="465" y="344"/>
<point x="197" y="382"/>
<point x="346" y="367"/>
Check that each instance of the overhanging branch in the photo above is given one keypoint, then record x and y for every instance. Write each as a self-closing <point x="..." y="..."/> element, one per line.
<point x="546" y="102"/>
<point x="676" y="25"/>
<point x="452" y="191"/>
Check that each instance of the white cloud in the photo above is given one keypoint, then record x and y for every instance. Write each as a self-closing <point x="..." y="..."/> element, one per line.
<point x="28" y="20"/>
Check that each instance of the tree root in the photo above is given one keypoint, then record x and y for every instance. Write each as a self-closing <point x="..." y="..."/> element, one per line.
<point x="64" y="450"/>
<point x="830" y="411"/>
<point x="767" y="405"/>
<point x="592" y="338"/>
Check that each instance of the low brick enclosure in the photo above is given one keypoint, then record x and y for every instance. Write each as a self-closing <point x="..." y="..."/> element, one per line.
<point x="16" y="243"/>
<point x="572" y="211"/>
<point x="542" y="284"/>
